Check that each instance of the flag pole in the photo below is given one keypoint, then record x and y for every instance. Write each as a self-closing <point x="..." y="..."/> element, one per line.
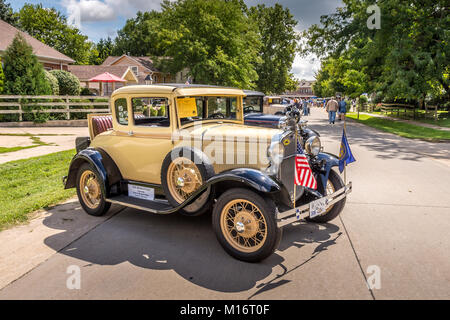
<point x="345" y="166"/>
<point x="295" y="168"/>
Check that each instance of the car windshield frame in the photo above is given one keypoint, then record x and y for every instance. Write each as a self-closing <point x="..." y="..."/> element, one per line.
<point x="204" y="110"/>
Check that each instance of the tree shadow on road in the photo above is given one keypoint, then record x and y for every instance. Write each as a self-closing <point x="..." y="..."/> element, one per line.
<point x="387" y="145"/>
<point x="186" y="245"/>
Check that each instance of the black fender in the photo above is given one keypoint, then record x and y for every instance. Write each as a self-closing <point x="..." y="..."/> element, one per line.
<point x="330" y="160"/>
<point x="252" y="178"/>
<point x="245" y="177"/>
<point x="311" y="132"/>
<point x="102" y="162"/>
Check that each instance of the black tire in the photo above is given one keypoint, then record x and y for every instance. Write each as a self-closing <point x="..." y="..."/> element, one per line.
<point x="267" y="209"/>
<point x="336" y="209"/>
<point x="102" y="206"/>
<point x="206" y="171"/>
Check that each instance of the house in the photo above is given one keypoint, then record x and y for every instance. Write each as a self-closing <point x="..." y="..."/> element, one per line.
<point x="143" y="68"/>
<point x="86" y="72"/>
<point x="135" y="70"/>
<point x="49" y="57"/>
<point x="304" y="90"/>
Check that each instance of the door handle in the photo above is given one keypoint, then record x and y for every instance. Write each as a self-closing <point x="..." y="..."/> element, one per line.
<point x="130" y="133"/>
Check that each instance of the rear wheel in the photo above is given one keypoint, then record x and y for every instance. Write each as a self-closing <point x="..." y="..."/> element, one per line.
<point x="90" y="192"/>
<point x="245" y="225"/>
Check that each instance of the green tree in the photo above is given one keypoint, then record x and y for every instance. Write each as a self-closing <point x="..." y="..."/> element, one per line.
<point x="67" y="82"/>
<point x="279" y="39"/>
<point x="214" y="39"/>
<point x="139" y="36"/>
<point x="7" y="13"/>
<point x="102" y="50"/>
<point x="405" y="60"/>
<point x="24" y="74"/>
<point x="2" y="78"/>
<point x="50" y="27"/>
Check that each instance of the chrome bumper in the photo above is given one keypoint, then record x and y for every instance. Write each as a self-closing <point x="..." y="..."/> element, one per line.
<point x="302" y="212"/>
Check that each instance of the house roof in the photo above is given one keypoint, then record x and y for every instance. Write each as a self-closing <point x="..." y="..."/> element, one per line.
<point x="144" y="62"/>
<point x="306" y="83"/>
<point x="41" y="50"/>
<point x="84" y="73"/>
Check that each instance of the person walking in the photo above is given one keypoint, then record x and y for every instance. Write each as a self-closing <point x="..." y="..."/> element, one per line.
<point x="332" y="107"/>
<point x="305" y="107"/>
<point x="342" y="109"/>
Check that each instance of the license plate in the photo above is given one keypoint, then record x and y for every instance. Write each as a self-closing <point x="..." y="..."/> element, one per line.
<point x="141" y="192"/>
<point x="317" y="207"/>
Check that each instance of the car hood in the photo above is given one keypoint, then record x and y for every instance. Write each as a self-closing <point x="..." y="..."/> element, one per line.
<point x="233" y="132"/>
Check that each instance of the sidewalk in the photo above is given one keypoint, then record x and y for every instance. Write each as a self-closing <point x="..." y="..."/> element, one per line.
<point x="416" y="123"/>
<point x="59" y="138"/>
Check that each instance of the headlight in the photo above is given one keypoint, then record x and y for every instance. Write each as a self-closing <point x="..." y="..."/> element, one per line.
<point x="303" y="123"/>
<point x="313" y="145"/>
<point x="282" y="123"/>
<point x="275" y="152"/>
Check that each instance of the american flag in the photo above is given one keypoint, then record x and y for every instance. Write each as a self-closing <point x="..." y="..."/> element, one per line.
<point x="303" y="174"/>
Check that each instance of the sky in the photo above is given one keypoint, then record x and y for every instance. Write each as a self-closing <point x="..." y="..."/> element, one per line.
<point x="102" y="18"/>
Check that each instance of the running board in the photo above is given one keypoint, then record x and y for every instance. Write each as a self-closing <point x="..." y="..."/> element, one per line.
<point x="156" y="206"/>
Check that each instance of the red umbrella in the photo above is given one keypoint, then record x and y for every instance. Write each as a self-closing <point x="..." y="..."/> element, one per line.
<point x="106" y="77"/>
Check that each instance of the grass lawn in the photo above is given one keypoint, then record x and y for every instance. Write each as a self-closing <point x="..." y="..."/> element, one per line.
<point x="443" y="120"/>
<point x="31" y="184"/>
<point x="402" y="129"/>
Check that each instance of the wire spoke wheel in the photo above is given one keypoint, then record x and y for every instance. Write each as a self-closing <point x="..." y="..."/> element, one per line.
<point x="90" y="189"/>
<point x="183" y="179"/>
<point x="243" y="225"/>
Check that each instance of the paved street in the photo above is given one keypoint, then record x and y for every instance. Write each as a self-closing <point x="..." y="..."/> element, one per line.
<point x="396" y="219"/>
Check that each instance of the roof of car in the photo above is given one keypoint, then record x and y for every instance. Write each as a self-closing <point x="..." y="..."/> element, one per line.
<point x="179" y="89"/>
<point x="250" y="93"/>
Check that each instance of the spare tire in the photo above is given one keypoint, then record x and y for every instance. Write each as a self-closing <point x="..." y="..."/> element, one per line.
<point x="184" y="171"/>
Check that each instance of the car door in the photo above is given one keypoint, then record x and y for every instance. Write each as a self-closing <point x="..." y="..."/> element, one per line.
<point x="143" y="137"/>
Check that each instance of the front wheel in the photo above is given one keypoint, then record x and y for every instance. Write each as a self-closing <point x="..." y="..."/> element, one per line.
<point x="245" y="225"/>
<point x="334" y="183"/>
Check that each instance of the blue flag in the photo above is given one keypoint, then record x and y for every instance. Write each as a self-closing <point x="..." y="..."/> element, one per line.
<point x="345" y="154"/>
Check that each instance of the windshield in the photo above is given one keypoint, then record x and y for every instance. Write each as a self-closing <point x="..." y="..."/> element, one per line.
<point x="191" y="109"/>
<point x="253" y="104"/>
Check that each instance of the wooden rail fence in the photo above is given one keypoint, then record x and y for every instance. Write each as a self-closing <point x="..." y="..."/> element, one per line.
<point x="21" y="102"/>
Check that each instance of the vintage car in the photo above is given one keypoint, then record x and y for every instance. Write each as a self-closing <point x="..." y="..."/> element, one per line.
<point x="254" y="111"/>
<point x="274" y="105"/>
<point x="254" y="116"/>
<point x="184" y="148"/>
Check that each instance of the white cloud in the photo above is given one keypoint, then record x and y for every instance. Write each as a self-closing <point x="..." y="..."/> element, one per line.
<point x="305" y="68"/>
<point x="106" y="10"/>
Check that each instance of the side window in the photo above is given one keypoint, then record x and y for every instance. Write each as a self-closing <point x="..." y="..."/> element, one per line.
<point x="151" y="112"/>
<point x="120" y="106"/>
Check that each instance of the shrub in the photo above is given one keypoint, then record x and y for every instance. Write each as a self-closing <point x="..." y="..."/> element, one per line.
<point x="85" y="92"/>
<point x="53" y="83"/>
<point x="68" y="83"/>
<point x="153" y="112"/>
<point x="24" y="74"/>
<point x="162" y="111"/>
